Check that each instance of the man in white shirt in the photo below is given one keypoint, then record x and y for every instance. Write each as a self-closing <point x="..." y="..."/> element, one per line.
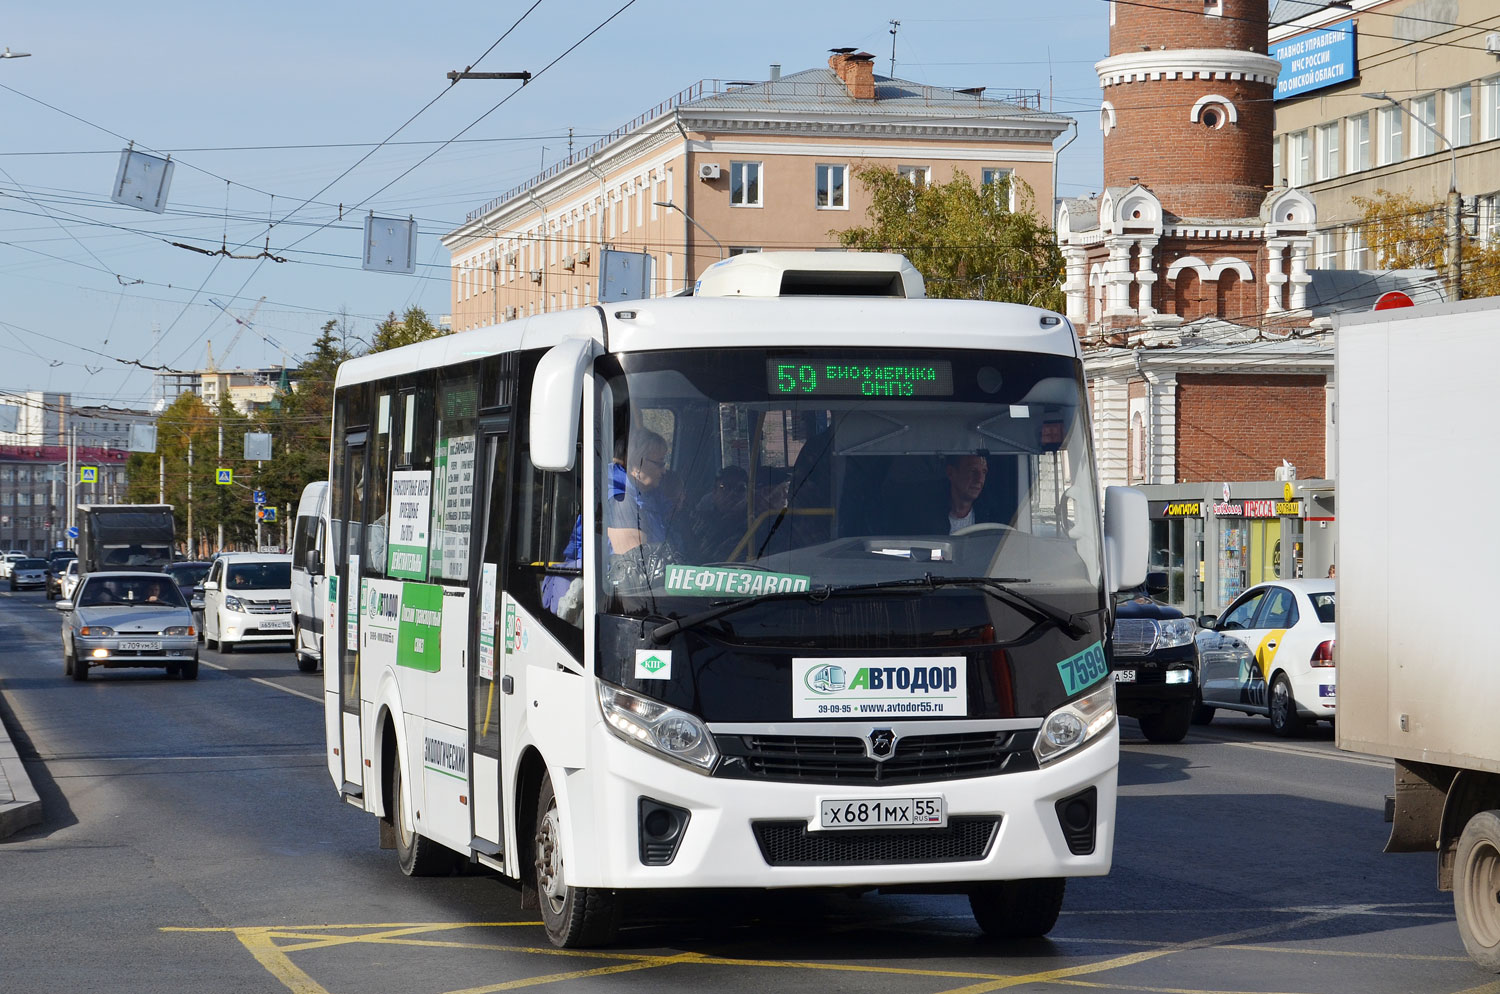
<point x="966" y="476"/>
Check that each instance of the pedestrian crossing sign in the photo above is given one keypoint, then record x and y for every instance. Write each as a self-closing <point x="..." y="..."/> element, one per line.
<point x="226" y="477"/>
<point x="88" y="474"/>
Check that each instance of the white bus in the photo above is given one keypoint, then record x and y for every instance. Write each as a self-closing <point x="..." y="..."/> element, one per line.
<point x="683" y="593"/>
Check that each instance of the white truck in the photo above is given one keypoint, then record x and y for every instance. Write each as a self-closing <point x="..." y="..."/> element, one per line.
<point x="1419" y="680"/>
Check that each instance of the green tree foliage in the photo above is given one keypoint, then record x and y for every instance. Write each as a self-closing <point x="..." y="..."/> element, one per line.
<point x="964" y="239"/>
<point x="411" y="327"/>
<point x="1406" y="232"/>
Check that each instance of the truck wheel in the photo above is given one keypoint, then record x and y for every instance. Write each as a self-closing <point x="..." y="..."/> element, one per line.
<point x="1476" y="889"/>
<point x="1283" y="708"/>
<point x="1018" y="909"/>
<point x="1168" y="726"/>
<point x="574" y="917"/>
<point x="419" y="856"/>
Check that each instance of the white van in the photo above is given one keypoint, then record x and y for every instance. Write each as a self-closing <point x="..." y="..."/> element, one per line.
<point x="247" y="599"/>
<point x="309" y="582"/>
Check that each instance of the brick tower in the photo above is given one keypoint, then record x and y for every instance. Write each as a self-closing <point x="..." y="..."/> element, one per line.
<point x="1189" y="226"/>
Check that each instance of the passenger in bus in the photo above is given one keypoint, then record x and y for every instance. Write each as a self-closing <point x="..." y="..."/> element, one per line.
<point x="635" y="515"/>
<point x="717" y="522"/>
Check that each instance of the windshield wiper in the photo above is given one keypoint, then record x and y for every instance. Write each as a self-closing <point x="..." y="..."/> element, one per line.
<point x="997" y="586"/>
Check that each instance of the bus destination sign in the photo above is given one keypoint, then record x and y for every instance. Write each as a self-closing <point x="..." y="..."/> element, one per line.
<point x="862" y="378"/>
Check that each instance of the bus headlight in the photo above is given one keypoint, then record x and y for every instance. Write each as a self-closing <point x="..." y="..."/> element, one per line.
<point x="656" y="727"/>
<point x="1075" y="724"/>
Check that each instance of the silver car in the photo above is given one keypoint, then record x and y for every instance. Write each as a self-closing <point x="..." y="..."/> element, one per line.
<point x="28" y="573"/>
<point x="128" y="619"/>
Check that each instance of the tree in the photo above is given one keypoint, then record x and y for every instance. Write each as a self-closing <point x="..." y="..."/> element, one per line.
<point x="1405" y="232"/>
<point x="413" y="326"/>
<point x="964" y="239"/>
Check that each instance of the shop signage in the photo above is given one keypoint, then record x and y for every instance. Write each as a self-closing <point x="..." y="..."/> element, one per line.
<point x="1225" y="509"/>
<point x="1315" y="59"/>
<point x="1258" y="508"/>
<point x="1176" y="508"/>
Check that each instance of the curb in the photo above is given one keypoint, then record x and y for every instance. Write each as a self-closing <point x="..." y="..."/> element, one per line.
<point x="26" y="809"/>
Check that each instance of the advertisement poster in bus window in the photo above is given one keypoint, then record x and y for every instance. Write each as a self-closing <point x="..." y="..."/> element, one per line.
<point x="411" y="499"/>
<point x="456" y="504"/>
<point x="351" y="613"/>
<point x="487" y="584"/>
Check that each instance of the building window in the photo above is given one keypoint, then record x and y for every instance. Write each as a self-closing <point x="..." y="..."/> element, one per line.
<point x="1424" y="139"/>
<point x="1326" y="252"/>
<point x="1328" y="151"/>
<point x="1299" y="156"/>
<point x="1460" y="123"/>
<point x="1359" y="142"/>
<point x="1392" y="138"/>
<point x="994" y="176"/>
<point x="917" y="176"/>
<point x="833" y="190"/>
<point x="1213" y="8"/>
<point x="735" y="250"/>
<point x="744" y="184"/>
<point x="1489" y="108"/>
<point x="1355" y="253"/>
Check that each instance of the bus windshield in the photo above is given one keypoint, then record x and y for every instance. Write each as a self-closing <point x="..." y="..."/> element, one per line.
<point x="735" y="473"/>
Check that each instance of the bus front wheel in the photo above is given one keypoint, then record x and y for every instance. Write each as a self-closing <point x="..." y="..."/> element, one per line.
<point x="1018" y="909"/>
<point x="574" y="917"/>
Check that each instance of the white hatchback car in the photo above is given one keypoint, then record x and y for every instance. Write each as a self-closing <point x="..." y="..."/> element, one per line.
<point x="1271" y="653"/>
<point x="247" y="598"/>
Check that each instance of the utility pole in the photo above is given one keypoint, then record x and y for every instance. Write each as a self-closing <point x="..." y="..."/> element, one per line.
<point x="895" y="25"/>
<point x="220" y="463"/>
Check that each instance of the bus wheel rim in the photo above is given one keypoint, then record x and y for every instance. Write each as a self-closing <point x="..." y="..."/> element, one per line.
<point x="549" y="860"/>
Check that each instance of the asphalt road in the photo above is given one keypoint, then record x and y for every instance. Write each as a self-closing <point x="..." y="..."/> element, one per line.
<point x="193" y="842"/>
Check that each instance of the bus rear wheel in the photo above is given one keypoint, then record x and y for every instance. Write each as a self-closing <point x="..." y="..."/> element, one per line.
<point x="1018" y="909"/>
<point x="574" y="917"/>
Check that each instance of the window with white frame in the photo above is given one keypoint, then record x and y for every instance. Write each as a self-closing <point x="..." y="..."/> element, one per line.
<point x="1328" y="151"/>
<point x="1459" y="126"/>
<point x="1358" y="128"/>
<point x="1392" y="135"/>
<point x="744" y="184"/>
<point x="1424" y="140"/>
<point x="1325" y="250"/>
<point x="1213" y="8"/>
<point x="994" y="176"/>
<point x="917" y="176"/>
<point x="1276" y="173"/>
<point x="832" y="191"/>
<point x="1356" y="255"/>
<point x="1489" y="108"/>
<point x="1299" y="158"/>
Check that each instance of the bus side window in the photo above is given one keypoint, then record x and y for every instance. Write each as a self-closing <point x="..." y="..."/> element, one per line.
<point x="548" y="548"/>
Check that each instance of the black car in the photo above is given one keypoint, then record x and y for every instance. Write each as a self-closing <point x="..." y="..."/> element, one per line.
<point x="1153" y="658"/>
<point x="57" y="565"/>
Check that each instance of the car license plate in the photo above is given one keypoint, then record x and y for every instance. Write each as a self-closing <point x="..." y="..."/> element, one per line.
<point x="140" y="646"/>
<point x="285" y="623"/>
<point x="882" y="812"/>
<point x="1327" y="690"/>
<point x="1124" y="676"/>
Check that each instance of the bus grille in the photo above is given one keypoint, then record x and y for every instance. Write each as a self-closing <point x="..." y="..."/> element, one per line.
<point x="843" y="759"/>
<point x="789" y="843"/>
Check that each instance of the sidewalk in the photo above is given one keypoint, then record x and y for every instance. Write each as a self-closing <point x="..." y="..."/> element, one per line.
<point x="20" y="807"/>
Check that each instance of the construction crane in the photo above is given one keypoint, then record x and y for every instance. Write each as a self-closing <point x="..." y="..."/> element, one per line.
<point x="244" y="322"/>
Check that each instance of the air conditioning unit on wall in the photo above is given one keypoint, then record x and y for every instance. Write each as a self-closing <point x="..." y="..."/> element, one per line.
<point x="708" y="170"/>
<point x="536" y="276"/>
<point x="1492" y="43"/>
<point x="509" y="314"/>
<point x="567" y="262"/>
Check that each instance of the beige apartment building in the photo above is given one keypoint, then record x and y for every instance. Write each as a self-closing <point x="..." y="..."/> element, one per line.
<point x="1440" y="59"/>
<point x="746" y="167"/>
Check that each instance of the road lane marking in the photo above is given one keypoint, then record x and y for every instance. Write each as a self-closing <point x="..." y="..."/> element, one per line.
<point x="1337" y="757"/>
<point x="266" y="683"/>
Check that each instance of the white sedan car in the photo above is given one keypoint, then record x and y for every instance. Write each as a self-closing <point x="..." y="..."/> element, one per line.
<point x="1271" y="653"/>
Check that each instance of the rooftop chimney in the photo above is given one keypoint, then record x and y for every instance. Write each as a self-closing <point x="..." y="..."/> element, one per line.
<point x="775" y="71"/>
<point x="856" y="70"/>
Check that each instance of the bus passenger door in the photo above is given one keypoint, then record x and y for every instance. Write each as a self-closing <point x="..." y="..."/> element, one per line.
<point x="346" y="571"/>
<point x="486" y="685"/>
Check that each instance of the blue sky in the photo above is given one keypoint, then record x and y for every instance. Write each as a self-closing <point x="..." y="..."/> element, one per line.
<point x="251" y="101"/>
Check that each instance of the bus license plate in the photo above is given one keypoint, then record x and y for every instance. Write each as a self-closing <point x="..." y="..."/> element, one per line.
<point x="140" y="647"/>
<point x="1124" y="676"/>
<point x="882" y="812"/>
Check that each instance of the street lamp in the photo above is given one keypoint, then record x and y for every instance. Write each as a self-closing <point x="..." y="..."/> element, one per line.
<point x="673" y="207"/>
<point x="1455" y="202"/>
<point x="8" y="54"/>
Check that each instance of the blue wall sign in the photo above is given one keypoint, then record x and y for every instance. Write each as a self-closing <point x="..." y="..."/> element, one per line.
<point x="1311" y="61"/>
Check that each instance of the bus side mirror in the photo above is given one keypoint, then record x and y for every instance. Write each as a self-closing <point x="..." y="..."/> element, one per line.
<point x="556" y="396"/>
<point x="1127" y="537"/>
<point x="314" y="563"/>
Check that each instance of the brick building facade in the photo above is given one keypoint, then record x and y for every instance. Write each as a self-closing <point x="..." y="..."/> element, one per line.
<point x="1188" y="277"/>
